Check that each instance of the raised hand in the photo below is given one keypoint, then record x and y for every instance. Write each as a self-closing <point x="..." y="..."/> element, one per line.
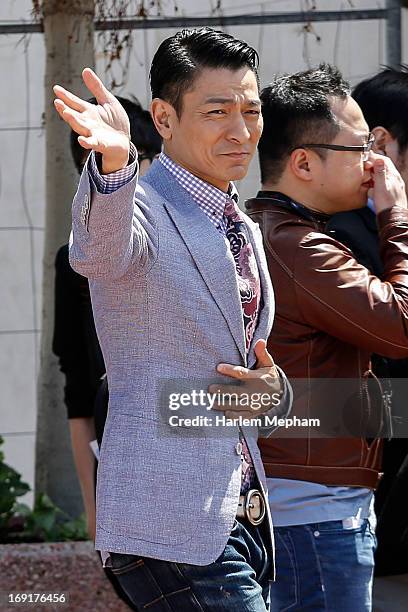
<point x="389" y="187"/>
<point x="103" y="127"/>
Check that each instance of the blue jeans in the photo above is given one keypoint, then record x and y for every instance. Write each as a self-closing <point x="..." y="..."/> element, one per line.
<point x="322" y="566"/>
<point x="237" y="581"/>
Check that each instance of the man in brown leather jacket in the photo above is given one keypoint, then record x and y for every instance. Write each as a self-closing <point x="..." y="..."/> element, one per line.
<point x="331" y="315"/>
<point x="383" y="99"/>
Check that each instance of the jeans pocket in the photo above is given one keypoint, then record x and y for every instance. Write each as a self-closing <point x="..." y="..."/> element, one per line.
<point x="138" y="583"/>
<point x="121" y="562"/>
<point x="153" y="585"/>
<point x="371" y="531"/>
<point x="285" y="589"/>
<point x="338" y="528"/>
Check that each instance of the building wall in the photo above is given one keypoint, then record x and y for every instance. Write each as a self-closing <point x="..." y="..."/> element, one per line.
<point x="357" y="47"/>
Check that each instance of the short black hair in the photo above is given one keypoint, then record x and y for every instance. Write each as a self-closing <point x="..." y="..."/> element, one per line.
<point x="179" y="59"/>
<point x="296" y="110"/>
<point x="383" y="99"/>
<point x="143" y="133"/>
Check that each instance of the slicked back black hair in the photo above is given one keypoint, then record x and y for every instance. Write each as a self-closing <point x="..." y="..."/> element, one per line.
<point x="179" y="59"/>
<point x="143" y="133"/>
<point x="383" y="99"/>
<point x="297" y="110"/>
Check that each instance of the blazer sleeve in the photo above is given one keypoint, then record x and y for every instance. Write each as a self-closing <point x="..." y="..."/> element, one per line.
<point x="111" y="232"/>
<point x="339" y="296"/>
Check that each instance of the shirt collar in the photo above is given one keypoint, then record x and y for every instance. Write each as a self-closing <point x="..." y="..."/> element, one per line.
<point x="209" y="198"/>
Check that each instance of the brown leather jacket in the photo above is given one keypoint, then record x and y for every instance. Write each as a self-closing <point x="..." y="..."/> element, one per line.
<point x="331" y="314"/>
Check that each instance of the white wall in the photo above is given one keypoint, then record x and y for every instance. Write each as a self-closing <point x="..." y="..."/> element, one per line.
<point x="21" y="236"/>
<point x="357" y="47"/>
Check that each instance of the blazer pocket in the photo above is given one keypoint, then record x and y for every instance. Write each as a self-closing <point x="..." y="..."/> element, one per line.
<point x="140" y="479"/>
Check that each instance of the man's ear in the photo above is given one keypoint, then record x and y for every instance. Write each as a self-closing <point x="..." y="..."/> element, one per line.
<point x="383" y="139"/>
<point x="299" y="163"/>
<point x="163" y="115"/>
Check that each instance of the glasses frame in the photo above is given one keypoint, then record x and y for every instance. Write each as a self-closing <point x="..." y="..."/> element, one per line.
<point x="365" y="148"/>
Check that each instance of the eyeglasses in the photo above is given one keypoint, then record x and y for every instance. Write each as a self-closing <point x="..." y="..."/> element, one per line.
<point x="365" y="148"/>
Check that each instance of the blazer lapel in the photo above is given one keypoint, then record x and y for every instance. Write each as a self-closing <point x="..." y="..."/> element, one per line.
<point x="208" y="248"/>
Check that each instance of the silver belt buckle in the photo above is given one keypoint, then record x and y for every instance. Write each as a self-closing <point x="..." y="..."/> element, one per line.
<point x="254" y="504"/>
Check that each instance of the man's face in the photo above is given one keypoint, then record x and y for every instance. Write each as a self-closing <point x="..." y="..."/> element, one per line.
<point x="220" y="124"/>
<point x="342" y="180"/>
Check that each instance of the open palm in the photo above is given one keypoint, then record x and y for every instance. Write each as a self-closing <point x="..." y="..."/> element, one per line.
<point x="102" y="127"/>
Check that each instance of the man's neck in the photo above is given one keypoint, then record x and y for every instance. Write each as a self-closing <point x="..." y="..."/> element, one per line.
<point x="221" y="185"/>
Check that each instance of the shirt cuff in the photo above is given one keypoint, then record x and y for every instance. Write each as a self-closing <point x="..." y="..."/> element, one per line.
<point x="108" y="183"/>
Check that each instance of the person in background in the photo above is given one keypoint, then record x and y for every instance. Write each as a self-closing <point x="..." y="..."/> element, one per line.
<point x="75" y="341"/>
<point x="332" y="313"/>
<point x="383" y="99"/>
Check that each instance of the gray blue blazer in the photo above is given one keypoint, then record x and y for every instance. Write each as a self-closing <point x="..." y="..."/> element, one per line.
<point x="166" y="306"/>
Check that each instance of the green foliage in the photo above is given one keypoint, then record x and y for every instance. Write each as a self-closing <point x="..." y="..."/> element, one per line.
<point x="45" y="523"/>
<point x="75" y="529"/>
<point x="11" y="487"/>
<point x="49" y="523"/>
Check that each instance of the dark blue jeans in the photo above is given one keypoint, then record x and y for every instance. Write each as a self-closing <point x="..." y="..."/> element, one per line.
<point x="238" y="581"/>
<point x="323" y="567"/>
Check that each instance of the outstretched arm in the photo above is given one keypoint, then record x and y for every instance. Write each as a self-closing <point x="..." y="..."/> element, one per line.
<point x="110" y="230"/>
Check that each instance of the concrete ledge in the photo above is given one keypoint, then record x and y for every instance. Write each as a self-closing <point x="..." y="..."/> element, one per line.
<point x="61" y="567"/>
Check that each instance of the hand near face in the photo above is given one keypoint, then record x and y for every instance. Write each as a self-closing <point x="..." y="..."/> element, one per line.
<point x="389" y="188"/>
<point x="103" y="128"/>
<point x="263" y="380"/>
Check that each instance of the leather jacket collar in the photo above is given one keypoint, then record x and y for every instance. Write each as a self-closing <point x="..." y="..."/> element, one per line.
<point x="280" y="199"/>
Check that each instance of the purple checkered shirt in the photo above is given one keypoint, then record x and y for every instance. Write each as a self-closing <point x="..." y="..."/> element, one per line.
<point x="212" y="202"/>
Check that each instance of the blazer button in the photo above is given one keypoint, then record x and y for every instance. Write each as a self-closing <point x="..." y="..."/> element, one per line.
<point x="238" y="448"/>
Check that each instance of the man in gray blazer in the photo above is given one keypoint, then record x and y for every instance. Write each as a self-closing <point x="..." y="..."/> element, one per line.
<point x="180" y="292"/>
